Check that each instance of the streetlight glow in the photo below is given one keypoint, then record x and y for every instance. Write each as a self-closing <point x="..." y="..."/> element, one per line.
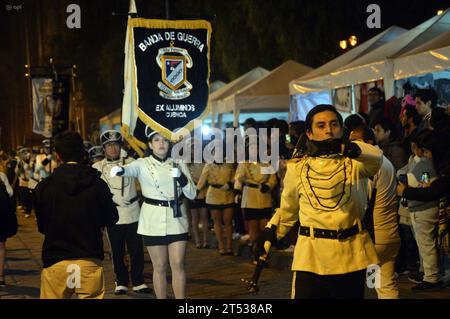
<point x="343" y="44"/>
<point x="353" y="40"/>
<point x="440" y="12"/>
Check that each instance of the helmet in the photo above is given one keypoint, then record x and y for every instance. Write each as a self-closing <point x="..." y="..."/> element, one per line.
<point x="96" y="151"/>
<point x="87" y="145"/>
<point x="111" y="136"/>
<point x="47" y="143"/>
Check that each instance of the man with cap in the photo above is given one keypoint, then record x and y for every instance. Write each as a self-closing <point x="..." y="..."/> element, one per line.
<point x="125" y="231"/>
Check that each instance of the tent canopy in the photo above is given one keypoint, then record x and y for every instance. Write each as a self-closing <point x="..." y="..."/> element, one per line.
<point x="216" y="85"/>
<point x="268" y="94"/>
<point x="233" y="87"/>
<point x="384" y="37"/>
<point x="433" y="56"/>
<point x="355" y="53"/>
<point x="238" y="84"/>
<point x="378" y="64"/>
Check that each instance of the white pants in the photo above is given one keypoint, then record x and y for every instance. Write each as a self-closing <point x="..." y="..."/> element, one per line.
<point x="387" y="253"/>
<point x="424" y="225"/>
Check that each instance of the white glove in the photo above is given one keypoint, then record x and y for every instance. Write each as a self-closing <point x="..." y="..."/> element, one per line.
<point x="116" y="171"/>
<point x="175" y="172"/>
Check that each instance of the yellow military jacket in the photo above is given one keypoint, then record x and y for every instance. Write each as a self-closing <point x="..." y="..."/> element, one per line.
<point x="196" y="171"/>
<point x="217" y="174"/>
<point x="253" y="173"/>
<point x="329" y="192"/>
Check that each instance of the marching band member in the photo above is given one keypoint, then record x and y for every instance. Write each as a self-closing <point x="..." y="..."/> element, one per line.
<point x="45" y="163"/>
<point x="219" y="178"/>
<point x="197" y="206"/>
<point x="255" y="184"/>
<point x="125" y="231"/>
<point x="327" y="191"/>
<point x="96" y="154"/>
<point x="163" y="228"/>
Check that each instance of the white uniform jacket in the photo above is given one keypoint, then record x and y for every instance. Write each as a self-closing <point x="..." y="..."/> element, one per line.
<point x="329" y="193"/>
<point x="252" y="173"/>
<point x="127" y="205"/>
<point x="154" y="175"/>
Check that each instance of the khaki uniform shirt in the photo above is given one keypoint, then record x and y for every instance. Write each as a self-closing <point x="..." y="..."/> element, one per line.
<point x="217" y="174"/>
<point x="196" y="171"/>
<point x="252" y="173"/>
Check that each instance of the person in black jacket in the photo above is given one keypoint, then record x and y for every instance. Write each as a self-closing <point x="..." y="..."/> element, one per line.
<point x="73" y="206"/>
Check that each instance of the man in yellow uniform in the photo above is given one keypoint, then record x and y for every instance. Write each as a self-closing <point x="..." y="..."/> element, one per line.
<point x="327" y="191"/>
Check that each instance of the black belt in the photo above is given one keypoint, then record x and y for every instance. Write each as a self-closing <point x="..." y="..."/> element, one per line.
<point x="165" y="203"/>
<point x="131" y="201"/>
<point x="251" y="185"/>
<point x="330" y="234"/>
<point x="215" y="185"/>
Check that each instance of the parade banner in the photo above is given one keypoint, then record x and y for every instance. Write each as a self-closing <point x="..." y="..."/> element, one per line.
<point x="61" y="101"/>
<point x="166" y="77"/>
<point x="42" y="91"/>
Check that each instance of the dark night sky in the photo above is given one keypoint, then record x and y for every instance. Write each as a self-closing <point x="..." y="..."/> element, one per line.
<point x="246" y="33"/>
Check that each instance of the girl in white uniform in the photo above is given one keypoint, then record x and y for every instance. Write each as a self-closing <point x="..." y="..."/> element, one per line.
<point x="165" y="234"/>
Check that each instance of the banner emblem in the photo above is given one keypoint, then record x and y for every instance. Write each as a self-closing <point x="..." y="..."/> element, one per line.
<point x="173" y="73"/>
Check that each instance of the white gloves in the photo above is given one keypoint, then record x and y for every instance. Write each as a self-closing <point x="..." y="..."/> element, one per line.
<point x="117" y="171"/>
<point x="175" y="172"/>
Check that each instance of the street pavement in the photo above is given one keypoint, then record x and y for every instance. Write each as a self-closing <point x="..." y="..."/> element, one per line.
<point x="209" y="275"/>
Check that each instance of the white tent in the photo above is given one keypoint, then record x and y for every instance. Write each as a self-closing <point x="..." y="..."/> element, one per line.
<point x="233" y="87"/>
<point x="313" y="86"/>
<point x="216" y="85"/>
<point x="358" y="51"/>
<point x="268" y="94"/>
<point x="378" y="64"/>
<point x="433" y="56"/>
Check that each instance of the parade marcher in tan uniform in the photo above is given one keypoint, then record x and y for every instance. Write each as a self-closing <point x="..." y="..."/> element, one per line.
<point x="124" y="232"/>
<point x="199" y="213"/>
<point x="327" y="191"/>
<point x="165" y="234"/>
<point x="218" y="178"/>
<point x="255" y="186"/>
<point x="381" y="218"/>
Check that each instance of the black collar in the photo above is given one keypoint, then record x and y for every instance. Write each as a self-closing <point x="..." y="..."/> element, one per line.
<point x="112" y="160"/>
<point x="159" y="159"/>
